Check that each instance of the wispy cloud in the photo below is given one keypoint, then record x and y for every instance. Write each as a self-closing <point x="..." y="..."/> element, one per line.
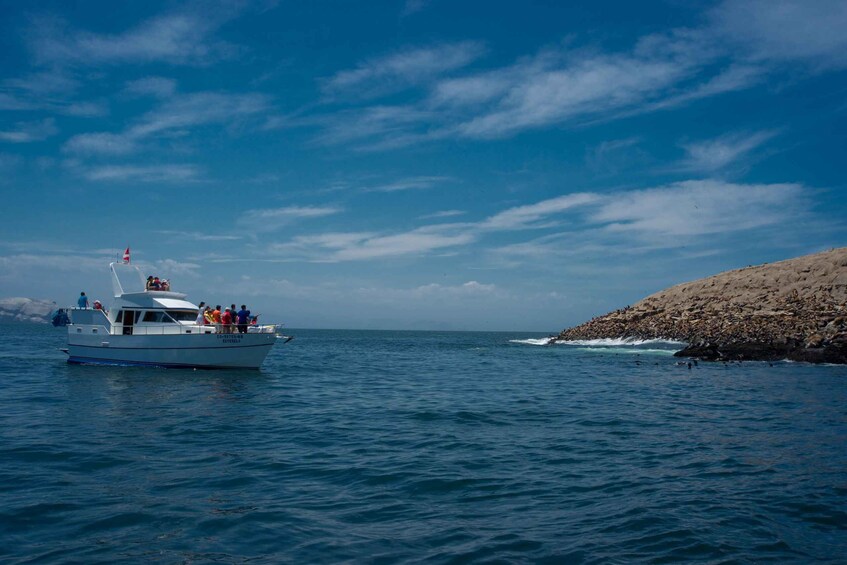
<point x="143" y="173"/>
<point x="693" y="208"/>
<point x="552" y="87"/>
<point x="523" y="217"/>
<point x="442" y="214"/>
<point x="101" y="143"/>
<point x="739" y="45"/>
<point x="413" y="7"/>
<point x="177" y="113"/>
<point x="402" y="69"/>
<point x="27" y="132"/>
<point x="271" y="219"/>
<point x="160" y="87"/>
<point x="411" y="183"/>
<point x="52" y="91"/>
<point x="181" y="38"/>
<point x="199" y="236"/>
<point x="811" y="33"/>
<point x="667" y="216"/>
<point x="357" y="246"/>
<point x="715" y="154"/>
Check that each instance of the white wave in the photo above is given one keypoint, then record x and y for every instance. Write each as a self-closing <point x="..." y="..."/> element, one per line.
<point x="541" y="341"/>
<point x="620" y="342"/>
<point x="625" y="351"/>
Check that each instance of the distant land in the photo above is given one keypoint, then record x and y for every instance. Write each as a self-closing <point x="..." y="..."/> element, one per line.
<point x="794" y="309"/>
<point x="25" y="310"/>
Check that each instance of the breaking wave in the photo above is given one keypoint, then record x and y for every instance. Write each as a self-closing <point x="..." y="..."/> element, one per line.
<point x="612" y="345"/>
<point x="621" y="342"/>
<point x="534" y="341"/>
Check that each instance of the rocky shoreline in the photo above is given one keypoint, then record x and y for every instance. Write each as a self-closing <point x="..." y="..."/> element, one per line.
<point x="794" y="309"/>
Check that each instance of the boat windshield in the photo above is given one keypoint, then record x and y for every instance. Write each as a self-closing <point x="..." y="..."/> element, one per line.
<point x="183" y="315"/>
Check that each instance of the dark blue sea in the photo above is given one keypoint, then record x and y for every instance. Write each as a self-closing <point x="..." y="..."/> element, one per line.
<point x="421" y="447"/>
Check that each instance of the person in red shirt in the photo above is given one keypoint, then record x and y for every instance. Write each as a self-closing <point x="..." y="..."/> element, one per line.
<point x="226" y="320"/>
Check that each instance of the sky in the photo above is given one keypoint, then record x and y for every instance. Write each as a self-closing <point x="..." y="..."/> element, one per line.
<point x="418" y="164"/>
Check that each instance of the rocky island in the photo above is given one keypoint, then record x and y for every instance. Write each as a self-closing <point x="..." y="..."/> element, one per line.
<point x="794" y="309"/>
<point x="25" y="310"/>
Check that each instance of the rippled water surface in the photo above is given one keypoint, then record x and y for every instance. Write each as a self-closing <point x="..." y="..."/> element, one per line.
<point x="420" y="447"/>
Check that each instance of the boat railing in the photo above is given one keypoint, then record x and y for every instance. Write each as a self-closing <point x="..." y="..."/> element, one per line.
<point x="89" y="316"/>
<point x="181" y="329"/>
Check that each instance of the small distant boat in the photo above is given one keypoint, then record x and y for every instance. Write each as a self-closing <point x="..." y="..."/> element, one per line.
<point x="60" y="318"/>
<point x="158" y="328"/>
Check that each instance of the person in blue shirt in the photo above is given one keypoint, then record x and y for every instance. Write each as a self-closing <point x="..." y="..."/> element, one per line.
<point x="83" y="300"/>
<point x="242" y="319"/>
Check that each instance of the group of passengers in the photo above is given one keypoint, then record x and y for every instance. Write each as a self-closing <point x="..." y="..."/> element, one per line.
<point x="82" y="302"/>
<point x="153" y="283"/>
<point x="229" y="320"/>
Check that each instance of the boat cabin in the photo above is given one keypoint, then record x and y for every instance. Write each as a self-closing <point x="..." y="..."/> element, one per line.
<point x="136" y="311"/>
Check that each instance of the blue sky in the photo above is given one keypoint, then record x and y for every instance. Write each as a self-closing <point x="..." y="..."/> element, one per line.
<point x="418" y="164"/>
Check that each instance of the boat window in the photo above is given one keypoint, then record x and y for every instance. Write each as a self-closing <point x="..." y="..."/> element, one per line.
<point x="120" y="318"/>
<point x="155" y="317"/>
<point x="183" y="315"/>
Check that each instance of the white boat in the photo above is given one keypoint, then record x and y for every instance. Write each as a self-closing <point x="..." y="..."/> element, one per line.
<point x="159" y="328"/>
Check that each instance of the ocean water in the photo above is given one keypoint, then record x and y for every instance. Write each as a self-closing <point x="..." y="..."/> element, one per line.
<point x="421" y="447"/>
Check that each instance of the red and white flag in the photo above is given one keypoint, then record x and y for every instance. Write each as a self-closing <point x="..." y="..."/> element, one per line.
<point x="126" y="255"/>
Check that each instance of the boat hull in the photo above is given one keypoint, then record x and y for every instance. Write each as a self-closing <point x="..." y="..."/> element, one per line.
<point x="201" y="351"/>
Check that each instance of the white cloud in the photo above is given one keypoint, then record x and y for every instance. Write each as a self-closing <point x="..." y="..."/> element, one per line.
<point x="715" y="154"/>
<point x="415" y="242"/>
<point x="160" y="87"/>
<point x="695" y="208"/>
<point x="553" y="87"/>
<point x="178" y="38"/>
<point x="584" y="89"/>
<point x="357" y="246"/>
<point x="414" y="6"/>
<point x="196" y="109"/>
<point x="810" y="32"/>
<point x="177" y="113"/>
<point x="44" y="83"/>
<point x="442" y="214"/>
<point x="102" y="143"/>
<point x="741" y="43"/>
<point x="170" y="267"/>
<point x="27" y="132"/>
<point x="271" y="219"/>
<point x="412" y="183"/>
<point x="628" y="222"/>
<point x="522" y="217"/>
<point x="199" y="236"/>
<point x="402" y="69"/>
<point x="143" y="173"/>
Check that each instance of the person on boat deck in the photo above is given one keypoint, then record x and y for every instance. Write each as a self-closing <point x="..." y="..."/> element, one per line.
<point x="156" y="284"/>
<point x="201" y="317"/>
<point x="216" y="315"/>
<point x="166" y="284"/>
<point x="149" y="285"/>
<point x="242" y="318"/>
<point x="226" y="320"/>
<point x="207" y="313"/>
<point x="82" y="301"/>
<point x="97" y="305"/>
